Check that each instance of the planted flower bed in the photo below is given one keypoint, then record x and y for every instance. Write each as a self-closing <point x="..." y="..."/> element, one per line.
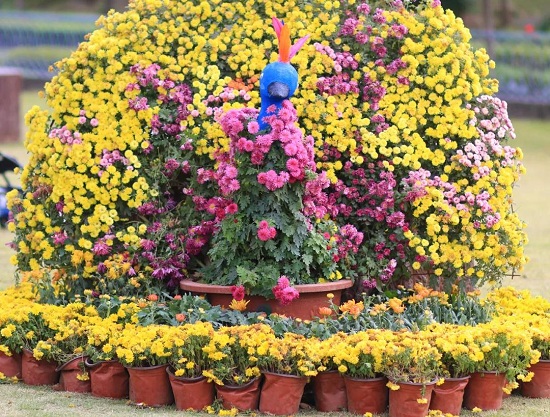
<point x="181" y="146"/>
<point x="417" y="337"/>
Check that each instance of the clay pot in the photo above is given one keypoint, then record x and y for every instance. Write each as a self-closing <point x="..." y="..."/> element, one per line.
<point x="539" y="386"/>
<point x="448" y="396"/>
<point x="281" y="393"/>
<point x="484" y="391"/>
<point x="150" y="385"/>
<point x="109" y="379"/>
<point x="242" y="397"/>
<point x="191" y="393"/>
<point x="38" y="372"/>
<point x="367" y="395"/>
<point x="10" y="366"/>
<point x="312" y="296"/>
<point x="329" y="391"/>
<point x="69" y="372"/>
<point x="404" y="401"/>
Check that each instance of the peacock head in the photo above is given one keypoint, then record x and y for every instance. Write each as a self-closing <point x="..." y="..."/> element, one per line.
<point x="279" y="80"/>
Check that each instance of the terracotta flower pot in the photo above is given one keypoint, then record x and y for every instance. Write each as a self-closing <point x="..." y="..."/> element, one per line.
<point x="38" y="372"/>
<point x="329" y="391"/>
<point x="539" y="386"/>
<point x="312" y="296"/>
<point x="281" y="394"/>
<point x="69" y="372"/>
<point x="109" y="379"/>
<point x="242" y="397"/>
<point x="367" y="395"/>
<point x="150" y="385"/>
<point x="191" y="393"/>
<point x="10" y="366"/>
<point x="448" y="396"/>
<point x="410" y="400"/>
<point x="484" y="391"/>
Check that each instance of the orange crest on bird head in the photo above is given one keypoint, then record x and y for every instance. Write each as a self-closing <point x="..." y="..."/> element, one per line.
<point x="286" y="49"/>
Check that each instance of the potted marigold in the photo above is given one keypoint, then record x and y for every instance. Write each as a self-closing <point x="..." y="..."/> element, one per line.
<point x="237" y="374"/>
<point x="34" y="333"/>
<point x="328" y="385"/>
<point x="67" y="349"/>
<point x="190" y="361"/>
<point x="412" y="364"/>
<point x="10" y="351"/>
<point x="459" y="357"/>
<point x="539" y="385"/>
<point x="145" y="352"/>
<point x="108" y="376"/>
<point x="359" y="359"/>
<point x="286" y="363"/>
<point x="507" y="353"/>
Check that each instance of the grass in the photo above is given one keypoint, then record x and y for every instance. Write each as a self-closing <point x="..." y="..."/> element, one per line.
<point x="47" y="403"/>
<point x="531" y="197"/>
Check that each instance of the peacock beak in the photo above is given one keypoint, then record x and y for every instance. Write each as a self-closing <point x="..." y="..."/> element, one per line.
<point x="278" y="89"/>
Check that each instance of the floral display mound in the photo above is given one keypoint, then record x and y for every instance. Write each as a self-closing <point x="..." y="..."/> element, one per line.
<point x="148" y="166"/>
<point x="412" y="336"/>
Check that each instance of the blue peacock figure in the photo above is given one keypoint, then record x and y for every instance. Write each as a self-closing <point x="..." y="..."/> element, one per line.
<point x="279" y="80"/>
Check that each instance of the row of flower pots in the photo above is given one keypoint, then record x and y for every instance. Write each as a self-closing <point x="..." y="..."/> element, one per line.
<point x="159" y="386"/>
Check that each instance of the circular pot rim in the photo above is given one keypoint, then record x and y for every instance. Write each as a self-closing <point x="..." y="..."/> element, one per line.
<point x="414" y="383"/>
<point x="236" y="387"/>
<point x="376" y="378"/>
<point x="146" y="367"/>
<point x="81" y="358"/>
<point x="170" y="372"/>
<point x="284" y="375"/>
<point x="198" y="287"/>
<point x="461" y="378"/>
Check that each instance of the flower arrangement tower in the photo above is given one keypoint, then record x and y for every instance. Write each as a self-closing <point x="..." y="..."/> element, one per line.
<point x="130" y="183"/>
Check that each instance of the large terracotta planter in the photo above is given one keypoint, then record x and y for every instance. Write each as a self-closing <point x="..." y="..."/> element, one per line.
<point x="539" y="386"/>
<point x="312" y="296"/>
<point x="484" y="391"/>
<point x="69" y="376"/>
<point x="329" y="391"/>
<point x="404" y="402"/>
<point x="38" y="372"/>
<point x="448" y="396"/>
<point x="109" y="379"/>
<point x="150" y="386"/>
<point x="10" y="366"/>
<point x="191" y="393"/>
<point x="367" y="395"/>
<point x="242" y="397"/>
<point x="281" y="394"/>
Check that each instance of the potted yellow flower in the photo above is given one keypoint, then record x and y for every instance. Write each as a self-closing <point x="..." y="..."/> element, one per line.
<point x="189" y="360"/>
<point x="236" y="373"/>
<point x="459" y="357"/>
<point x="67" y="348"/>
<point x="539" y="385"/>
<point x="145" y="352"/>
<point x="109" y="377"/>
<point x="34" y="333"/>
<point x="507" y="353"/>
<point x="286" y="363"/>
<point x="359" y="358"/>
<point x="329" y="389"/>
<point x="412" y="364"/>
